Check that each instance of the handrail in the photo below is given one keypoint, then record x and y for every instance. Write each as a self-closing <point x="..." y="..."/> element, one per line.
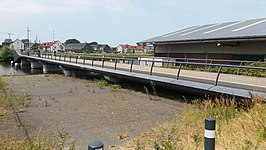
<point x="176" y="62"/>
<point x="180" y="63"/>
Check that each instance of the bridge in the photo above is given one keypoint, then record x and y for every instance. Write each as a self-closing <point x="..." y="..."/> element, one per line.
<point x="167" y="74"/>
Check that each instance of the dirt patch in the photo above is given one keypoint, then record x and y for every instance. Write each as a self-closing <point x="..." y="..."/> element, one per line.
<point x="88" y="111"/>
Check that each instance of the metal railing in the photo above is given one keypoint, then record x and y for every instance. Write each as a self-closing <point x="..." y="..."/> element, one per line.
<point x="82" y="59"/>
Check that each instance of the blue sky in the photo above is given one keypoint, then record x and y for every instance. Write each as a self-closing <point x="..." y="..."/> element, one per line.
<point x="117" y="21"/>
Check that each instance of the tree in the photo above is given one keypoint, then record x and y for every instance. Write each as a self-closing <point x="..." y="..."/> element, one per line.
<point x="6" y="53"/>
<point x="69" y="41"/>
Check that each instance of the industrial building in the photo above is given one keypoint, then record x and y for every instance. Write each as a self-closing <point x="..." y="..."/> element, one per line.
<point x="238" y="40"/>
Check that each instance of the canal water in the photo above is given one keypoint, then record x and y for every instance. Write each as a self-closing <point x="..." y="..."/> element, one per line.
<point x="6" y="68"/>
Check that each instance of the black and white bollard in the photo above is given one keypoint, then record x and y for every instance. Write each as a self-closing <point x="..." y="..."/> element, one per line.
<point x="96" y="145"/>
<point x="209" y="140"/>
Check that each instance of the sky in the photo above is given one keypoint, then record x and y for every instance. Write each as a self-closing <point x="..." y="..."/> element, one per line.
<point x="117" y="22"/>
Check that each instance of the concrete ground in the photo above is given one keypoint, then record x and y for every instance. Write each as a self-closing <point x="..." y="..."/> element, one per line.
<point x="88" y="111"/>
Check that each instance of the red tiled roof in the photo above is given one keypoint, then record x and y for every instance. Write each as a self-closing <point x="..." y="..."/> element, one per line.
<point x="48" y="43"/>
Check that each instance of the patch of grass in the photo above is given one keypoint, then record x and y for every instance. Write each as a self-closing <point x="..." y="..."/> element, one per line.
<point x="71" y="91"/>
<point x="39" y="142"/>
<point x="10" y="103"/>
<point x="122" y="136"/>
<point x="154" y="95"/>
<point x="103" y="83"/>
<point x="241" y="124"/>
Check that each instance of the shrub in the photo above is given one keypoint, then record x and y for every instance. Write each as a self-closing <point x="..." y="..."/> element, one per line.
<point x="6" y="53"/>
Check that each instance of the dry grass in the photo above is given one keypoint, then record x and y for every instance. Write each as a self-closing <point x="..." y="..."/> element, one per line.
<point x="240" y="126"/>
<point x="37" y="140"/>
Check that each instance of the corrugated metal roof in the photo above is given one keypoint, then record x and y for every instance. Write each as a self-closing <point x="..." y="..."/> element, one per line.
<point x="245" y="29"/>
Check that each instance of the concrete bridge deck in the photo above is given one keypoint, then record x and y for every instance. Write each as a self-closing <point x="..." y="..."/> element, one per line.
<point x="195" y="82"/>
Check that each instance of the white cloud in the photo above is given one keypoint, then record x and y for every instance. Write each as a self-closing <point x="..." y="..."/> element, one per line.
<point x="61" y="6"/>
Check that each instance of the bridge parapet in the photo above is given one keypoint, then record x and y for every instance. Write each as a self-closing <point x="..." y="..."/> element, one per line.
<point x="177" y="75"/>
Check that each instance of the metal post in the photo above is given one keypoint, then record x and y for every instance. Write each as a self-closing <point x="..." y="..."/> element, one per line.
<point x="103" y="63"/>
<point x="209" y="69"/>
<point x="77" y="59"/>
<point x="186" y="65"/>
<point x="238" y="70"/>
<point x="65" y="57"/>
<point x="96" y="145"/>
<point x="116" y="63"/>
<point x="151" y="68"/>
<point x="55" y="57"/>
<point x="209" y="134"/>
<point x="60" y="57"/>
<point x="84" y="60"/>
<point x="69" y="58"/>
<point x="167" y="62"/>
<point x="179" y="70"/>
<point x="92" y="61"/>
<point x="218" y="75"/>
<point x="131" y="66"/>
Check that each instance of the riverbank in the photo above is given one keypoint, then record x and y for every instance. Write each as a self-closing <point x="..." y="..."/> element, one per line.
<point x="239" y="125"/>
<point x="87" y="110"/>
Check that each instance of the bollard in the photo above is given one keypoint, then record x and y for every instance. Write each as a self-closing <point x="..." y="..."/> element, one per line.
<point x="209" y="135"/>
<point x="96" y="145"/>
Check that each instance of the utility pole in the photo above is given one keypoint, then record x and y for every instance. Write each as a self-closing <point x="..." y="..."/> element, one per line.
<point x="28" y="37"/>
<point x="8" y="33"/>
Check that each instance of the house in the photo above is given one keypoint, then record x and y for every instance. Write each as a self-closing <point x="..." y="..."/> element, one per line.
<point x="237" y="40"/>
<point x="55" y="46"/>
<point x="35" y="46"/>
<point x="128" y="49"/>
<point x="7" y="42"/>
<point x="78" y="48"/>
<point x="17" y="45"/>
<point x="27" y="44"/>
<point x="101" y="48"/>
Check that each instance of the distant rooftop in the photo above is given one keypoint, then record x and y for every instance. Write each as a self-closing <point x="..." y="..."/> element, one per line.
<point x="7" y="41"/>
<point x="245" y="29"/>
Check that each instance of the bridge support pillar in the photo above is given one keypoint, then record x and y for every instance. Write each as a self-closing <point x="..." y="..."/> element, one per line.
<point x="51" y="68"/>
<point x="36" y="65"/>
<point x="113" y="79"/>
<point x="24" y="62"/>
<point x="68" y="72"/>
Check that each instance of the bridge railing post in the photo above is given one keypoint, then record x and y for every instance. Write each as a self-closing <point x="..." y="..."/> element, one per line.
<point x="131" y="66"/>
<point x="238" y="70"/>
<point x="77" y="59"/>
<point x="167" y="62"/>
<point x="92" y="61"/>
<point x="218" y="75"/>
<point x="60" y="56"/>
<point x="103" y="62"/>
<point x="186" y="64"/>
<point x="152" y="65"/>
<point x="70" y="58"/>
<point x="84" y="59"/>
<point x="209" y="134"/>
<point x="178" y="72"/>
<point x="209" y="68"/>
<point x="116" y="60"/>
<point x="64" y="57"/>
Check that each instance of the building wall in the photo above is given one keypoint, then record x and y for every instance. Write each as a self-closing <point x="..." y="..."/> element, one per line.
<point x="58" y="46"/>
<point x="17" y="44"/>
<point x="252" y="50"/>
